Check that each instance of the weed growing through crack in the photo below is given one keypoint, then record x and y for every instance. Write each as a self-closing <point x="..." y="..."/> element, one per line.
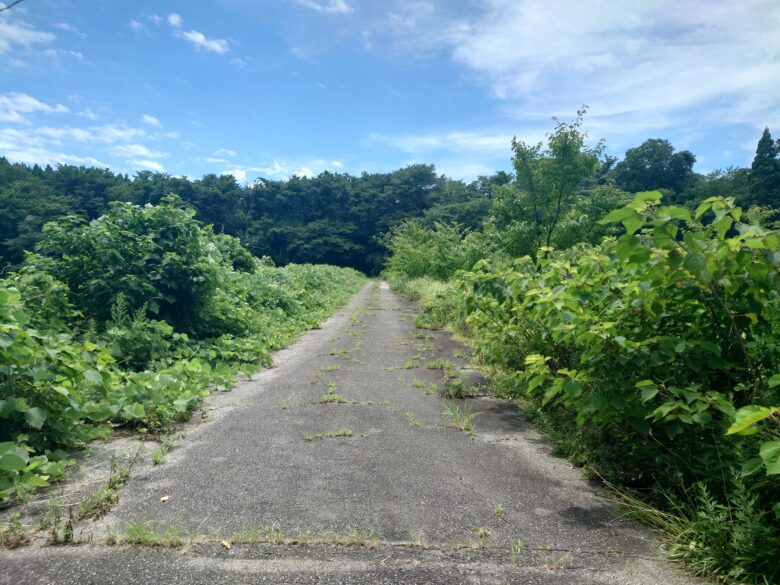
<point x="389" y="405"/>
<point x="515" y="546"/>
<point x="462" y="420"/>
<point x="342" y="432"/>
<point x="416" y="539"/>
<point x="439" y="364"/>
<point x="144" y="534"/>
<point x="500" y="512"/>
<point x="412" y="419"/>
<point x="330" y="368"/>
<point x="159" y="453"/>
<point x="431" y="388"/>
<point x="412" y="362"/>
<point x="331" y="397"/>
<point x="97" y="503"/>
<point x="273" y="534"/>
<point x="417" y="383"/>
<point x="12" y="533"/>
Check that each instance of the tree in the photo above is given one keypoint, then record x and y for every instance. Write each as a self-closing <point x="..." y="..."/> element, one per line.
<point x="655" y="165"/>
<point x="765" y="173"/>
<point x="526" y="214"/>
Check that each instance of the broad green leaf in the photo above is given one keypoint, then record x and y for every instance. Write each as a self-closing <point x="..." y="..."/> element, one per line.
<point x="135" y="410"/>
<point x="695" y="263"/>
<point x="9" y="296"/>
<point x="618" y="215"/>
<point x="770" y="453"/>
<point x="93" y="376"/>
<point x="752" y="466"/>
<point x="747" y="416"/>
<point x="35" y="417"/>
<point x="14" y="459"/>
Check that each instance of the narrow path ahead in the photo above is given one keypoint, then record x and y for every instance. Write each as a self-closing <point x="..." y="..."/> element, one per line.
<point x="404" y="499"/>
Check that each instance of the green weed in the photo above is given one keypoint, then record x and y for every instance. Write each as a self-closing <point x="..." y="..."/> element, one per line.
<point x="342" y="432"/>
<point x="461" y="419"/>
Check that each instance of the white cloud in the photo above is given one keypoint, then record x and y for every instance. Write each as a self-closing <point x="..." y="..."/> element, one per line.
<point x="13" y="105"/>
<point x="284" y="170"/>
<point x="14" y="33"/>
<point x="239" y="174"/>
<point x="151" y="120"/>
<point x="201" y="41"/>
<point x="137" y="150"/>
<point x="136" y="26"/>
<point x="151" y="165"/>
<point x="156" y="19"/>
<point x="42" y="156"/>
<point x="672" y="61"/>
<point x="331" y="6"/>
<point x="215" y="160"/>
<point x="88" y="113"/>
<point x="175" y="20"/>
<point x="224" y="152"/>
<point x="66" y="27"/>
<point x="460" y="141"/>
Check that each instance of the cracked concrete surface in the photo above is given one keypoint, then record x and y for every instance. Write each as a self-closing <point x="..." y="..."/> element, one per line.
<point x="429" y="493"/>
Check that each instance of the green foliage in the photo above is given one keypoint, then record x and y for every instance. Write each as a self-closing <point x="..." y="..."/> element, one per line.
<point x="527" y="214"/>
<point x="156" y="256"/>
<point x="417" y="251"/>
<point x="659" y="349"/>
<point x="765" y="172"/>
<point x="81" y="353"/>
<point x="655" y="165"/>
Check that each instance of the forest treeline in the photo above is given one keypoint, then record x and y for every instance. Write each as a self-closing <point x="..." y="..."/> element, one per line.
<point x="342" y="219"/>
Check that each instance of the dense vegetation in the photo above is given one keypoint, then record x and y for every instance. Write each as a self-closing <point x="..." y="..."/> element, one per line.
<point x="130" y="320"/>
<point x="641" y="335"/>
<point x="632" y="305"/>
<point x="334" y="218"/>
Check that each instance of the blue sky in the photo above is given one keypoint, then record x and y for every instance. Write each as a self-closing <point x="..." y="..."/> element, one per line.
<point x="271" y="88"/>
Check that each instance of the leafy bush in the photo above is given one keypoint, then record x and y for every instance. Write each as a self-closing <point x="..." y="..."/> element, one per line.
<point x="81" y="355"/>
<point x="153" y="255"/>
<point x="417" y="251"/>
<point x="662" y="345"/>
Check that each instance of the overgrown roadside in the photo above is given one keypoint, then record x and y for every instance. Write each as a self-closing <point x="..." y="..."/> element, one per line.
<point x="345" y="463"/>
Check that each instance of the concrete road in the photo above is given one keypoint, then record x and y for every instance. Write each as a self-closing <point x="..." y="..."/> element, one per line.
<point x="406" y="498"/>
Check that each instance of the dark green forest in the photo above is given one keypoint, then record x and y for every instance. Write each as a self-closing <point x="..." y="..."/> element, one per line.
<point x="342" y="219"/>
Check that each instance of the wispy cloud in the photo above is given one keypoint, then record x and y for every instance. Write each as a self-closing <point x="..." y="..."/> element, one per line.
<point x="224" y="152"/>
<point x="137" y="150"/>
<point x="150" y="120"/>
<point x="202" y="42"/>
<point x="459" y="141"/>
<point x="331" y="6"/>
<point x="19" y="34"/>
<point x="670" y="60"/>
<point x="14" y="106"/>
<point x="196" y="38"/>
<point x="151" y="165"/>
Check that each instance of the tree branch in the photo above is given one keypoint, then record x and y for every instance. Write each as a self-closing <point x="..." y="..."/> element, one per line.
<point x="11" y="5"/>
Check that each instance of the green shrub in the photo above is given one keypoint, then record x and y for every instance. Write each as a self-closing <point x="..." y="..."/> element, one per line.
<point x="656" y="352"/>
<point x="154" y="255"/>
<point x="78" y="349"/>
